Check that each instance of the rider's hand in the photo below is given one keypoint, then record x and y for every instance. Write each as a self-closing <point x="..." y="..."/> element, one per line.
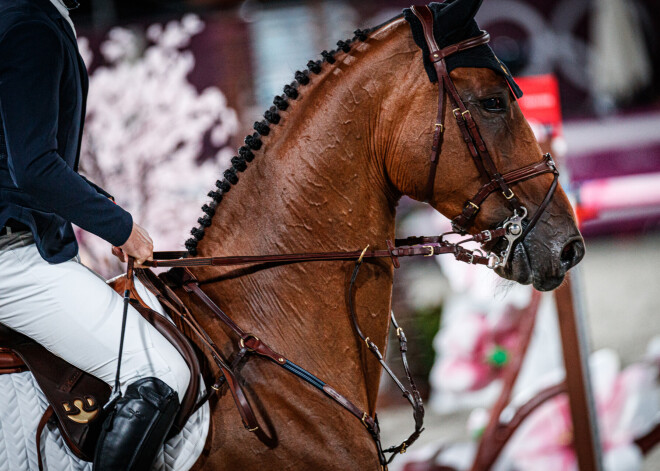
<point x="139" y="245"/>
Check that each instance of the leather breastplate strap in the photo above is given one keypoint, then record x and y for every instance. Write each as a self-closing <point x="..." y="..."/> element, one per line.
<point x="249" y="343"/>
<point x="492" y="178"/>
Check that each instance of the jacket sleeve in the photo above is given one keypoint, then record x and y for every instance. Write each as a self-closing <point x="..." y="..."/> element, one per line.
<point x="98" y="188"/>
<point x="31" y="66"/>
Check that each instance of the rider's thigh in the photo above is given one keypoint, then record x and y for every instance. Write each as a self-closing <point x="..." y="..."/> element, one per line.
<point x="72" y="312"/>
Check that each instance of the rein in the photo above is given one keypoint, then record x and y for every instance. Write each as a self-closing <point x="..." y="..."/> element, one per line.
<point x="249" y="343"/>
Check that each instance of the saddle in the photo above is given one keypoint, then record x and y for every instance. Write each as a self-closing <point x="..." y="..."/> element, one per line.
<point x="75" y="397"/>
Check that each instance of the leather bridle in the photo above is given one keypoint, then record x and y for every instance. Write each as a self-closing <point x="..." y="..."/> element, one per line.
<point x="511" y="229"/>
<point x="492" y="178"/>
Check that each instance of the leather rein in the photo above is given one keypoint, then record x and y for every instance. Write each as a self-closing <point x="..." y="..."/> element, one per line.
<point x="511" y="229"/>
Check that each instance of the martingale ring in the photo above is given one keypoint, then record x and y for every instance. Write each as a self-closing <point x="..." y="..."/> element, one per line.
<point x="241" y="342"/>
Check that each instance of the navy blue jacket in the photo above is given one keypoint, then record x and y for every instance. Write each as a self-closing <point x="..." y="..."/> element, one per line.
<point x="43" y="91"/>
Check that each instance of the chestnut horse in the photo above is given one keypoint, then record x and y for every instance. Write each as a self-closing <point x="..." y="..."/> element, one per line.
<point x="348" y="142"/>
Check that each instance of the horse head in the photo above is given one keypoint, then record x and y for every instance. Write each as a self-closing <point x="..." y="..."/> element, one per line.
<point x="485" y="109"/>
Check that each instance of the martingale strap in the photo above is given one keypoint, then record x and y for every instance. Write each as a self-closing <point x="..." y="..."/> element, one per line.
<point x="412" y="395"/>
<point x="250" y="343"/>
<point x="186" y="321"/>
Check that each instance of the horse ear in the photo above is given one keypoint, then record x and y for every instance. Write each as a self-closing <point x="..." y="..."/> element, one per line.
<point x="459" y="12"/>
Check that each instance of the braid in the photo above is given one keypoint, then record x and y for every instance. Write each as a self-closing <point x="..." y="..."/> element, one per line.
<point x="253" y="142"/>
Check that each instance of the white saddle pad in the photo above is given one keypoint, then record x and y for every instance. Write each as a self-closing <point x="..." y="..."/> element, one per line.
<point x="21" y="406"/>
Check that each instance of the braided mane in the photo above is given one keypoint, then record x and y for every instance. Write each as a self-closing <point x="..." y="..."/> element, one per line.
<point x="253" y="141"/>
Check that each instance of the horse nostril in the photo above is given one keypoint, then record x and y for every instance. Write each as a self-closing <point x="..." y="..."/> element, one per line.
<point x="572" y="253"/>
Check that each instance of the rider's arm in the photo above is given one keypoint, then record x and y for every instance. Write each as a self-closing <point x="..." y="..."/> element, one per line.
<point x="31" y="64"/>
<point x="98" y="188"/>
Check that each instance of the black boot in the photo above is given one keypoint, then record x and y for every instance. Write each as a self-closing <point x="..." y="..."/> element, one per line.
<point x="135" y="430"/>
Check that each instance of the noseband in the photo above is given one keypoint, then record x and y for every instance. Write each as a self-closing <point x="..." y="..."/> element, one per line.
<point x="514" y="227"/>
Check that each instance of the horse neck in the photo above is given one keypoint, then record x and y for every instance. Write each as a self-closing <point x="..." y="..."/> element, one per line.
<point x="317" y="184"/>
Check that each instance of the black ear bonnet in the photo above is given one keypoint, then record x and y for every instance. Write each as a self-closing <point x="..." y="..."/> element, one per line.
<point x="453" y="21"/>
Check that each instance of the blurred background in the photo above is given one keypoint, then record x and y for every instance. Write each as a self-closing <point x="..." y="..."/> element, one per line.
<point x="176" y="85"/>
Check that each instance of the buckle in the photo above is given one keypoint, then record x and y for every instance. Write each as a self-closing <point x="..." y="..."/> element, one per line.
<point x="363" y="420"/>
<point x="241" y="341"/>
<point x="510" y="195"/>
<point x="440" y="126"/>
<point x="464" y="113"/>
<point x="362" y="254"/>
<point x="432" y="253"/>
<point x="474" y="205"/>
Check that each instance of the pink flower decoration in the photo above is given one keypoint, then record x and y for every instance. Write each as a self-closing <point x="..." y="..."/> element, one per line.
<point x="476" y="349"/>
<point x="627" y="403"/>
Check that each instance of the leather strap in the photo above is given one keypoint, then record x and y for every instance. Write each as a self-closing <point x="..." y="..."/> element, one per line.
<point x="249" y="343"/>
<point x="484" y="163"/>
<point x="473" y="205"/>
<point x="412" y="394"/>
<point x="48" y="414"/>
<point x="10" y="362"/>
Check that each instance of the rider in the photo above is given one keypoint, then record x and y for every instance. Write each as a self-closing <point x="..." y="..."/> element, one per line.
<point x="45" y="292"/>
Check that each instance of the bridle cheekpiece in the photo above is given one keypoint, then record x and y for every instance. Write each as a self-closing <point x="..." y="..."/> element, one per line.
<point x="513" y="228"/>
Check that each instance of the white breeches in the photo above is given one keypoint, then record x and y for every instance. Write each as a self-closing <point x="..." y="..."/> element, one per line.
<point x="70" y="310"/>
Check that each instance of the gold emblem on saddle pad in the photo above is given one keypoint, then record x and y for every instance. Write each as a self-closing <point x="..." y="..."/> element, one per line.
<point x="83" y="410"/>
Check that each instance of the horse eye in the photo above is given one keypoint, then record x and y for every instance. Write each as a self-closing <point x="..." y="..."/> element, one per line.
<point x="493" y="104"/>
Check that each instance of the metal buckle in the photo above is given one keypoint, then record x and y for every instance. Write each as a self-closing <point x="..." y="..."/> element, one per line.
<point x="464" y="113"/>
<point x="471" y="255"/>
<point x="362" y="254"/>
<point x="441" y="126"/>
<point x="510" y="195"/>
<point x="399" y="331"/>
<point x="432" y="250"/>
<point x="364" y="416"/>
<point x="241" y="342"/>
<point x="489" y="235"/>
<point x="474" y="205"/>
